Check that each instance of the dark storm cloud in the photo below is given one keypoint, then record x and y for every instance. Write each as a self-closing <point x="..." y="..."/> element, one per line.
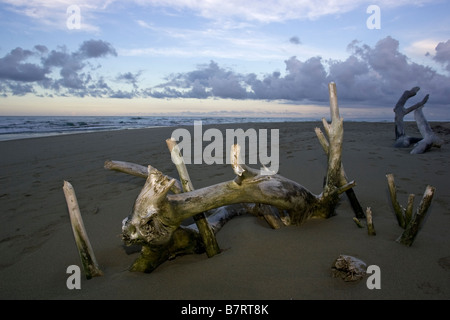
<point x="371" y="75"/>
<point x="96" y="49"/>
<point x="295" y="40"/>
<point x="74" y="75"/>
<point x="13" y="66"/>
<point x="374" y="75"/>
<point x="443" y="54"/>
<point x="390" y="72"/>
<point x="207" y="81"/>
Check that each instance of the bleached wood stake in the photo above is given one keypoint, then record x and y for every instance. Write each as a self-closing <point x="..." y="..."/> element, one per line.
<point x="398" y="210"/>
<point x="87" y="256"/>
<point x="209" y="239"/>
<point x="370" y="227"/>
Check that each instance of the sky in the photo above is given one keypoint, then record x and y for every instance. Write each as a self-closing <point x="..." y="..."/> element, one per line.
<point x="215" y="57"/>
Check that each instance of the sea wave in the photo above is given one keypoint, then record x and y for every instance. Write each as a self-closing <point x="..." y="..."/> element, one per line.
<point x="20" y="127"/>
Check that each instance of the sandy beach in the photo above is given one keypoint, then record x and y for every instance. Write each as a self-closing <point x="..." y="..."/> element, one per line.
<point x="294" y="262"/>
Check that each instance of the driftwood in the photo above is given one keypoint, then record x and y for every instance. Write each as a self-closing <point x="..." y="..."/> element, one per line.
<point x="348" y="268"/>
<point x="430" y="139"/>
<point x="155" y="221"/>
<point x="88" y="260"/>
<point x="412" y="223"/>
<point x="369" y="222"/>
<point x="402" y="140"/>
<point x="370" y="227"/>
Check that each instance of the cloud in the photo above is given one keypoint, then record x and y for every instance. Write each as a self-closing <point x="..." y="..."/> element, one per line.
<point x="129" y="77"/>
<point x="267" y="11"/>
<point x="13" y="67"/>
<point x="371" y="75"/>
<point x="294" y="40"/>
<point x="53" y="14"/>
<point x="96" y="49"/>
<point x="230" y="13"/>
<point x="207" y="81"/>
<point x="75" y="77"/>
<point x="443" y="54"/>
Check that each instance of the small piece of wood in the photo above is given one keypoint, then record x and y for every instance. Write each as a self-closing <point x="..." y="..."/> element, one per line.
<point x="358" y="223"/>
<point x="90" y="265"/>
<point x="126" y="167"/>
<point x="409" y="209"/>
<point x="398" y="210"/>
<point x="138" y="171"/>
<point x="370" y="226"/>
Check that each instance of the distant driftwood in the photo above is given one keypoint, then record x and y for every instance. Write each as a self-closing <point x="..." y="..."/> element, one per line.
<point x="402" y="140"/>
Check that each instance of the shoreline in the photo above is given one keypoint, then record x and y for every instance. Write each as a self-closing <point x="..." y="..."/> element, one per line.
<point x="32" y="135"/>
<point x="293" y="262"/>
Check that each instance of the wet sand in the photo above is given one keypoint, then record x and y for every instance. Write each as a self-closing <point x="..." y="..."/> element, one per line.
<point x="257" y="262"/>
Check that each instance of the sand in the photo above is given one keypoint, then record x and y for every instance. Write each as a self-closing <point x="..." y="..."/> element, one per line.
<point x="257" y="262"/>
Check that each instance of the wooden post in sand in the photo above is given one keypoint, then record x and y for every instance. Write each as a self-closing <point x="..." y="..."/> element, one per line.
<point x="87" y="256"/>
<point x="357" y="209"/>
<point x="208" y="237"/>
<point x="370" y="227"/>
<point x="412" y="223"/>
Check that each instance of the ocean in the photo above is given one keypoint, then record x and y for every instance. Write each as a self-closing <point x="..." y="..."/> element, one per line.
<point x="22" y="127"/>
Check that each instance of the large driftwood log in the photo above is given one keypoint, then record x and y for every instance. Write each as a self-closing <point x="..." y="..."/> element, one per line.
<point x="155" y="221"/>
<point x="402" y="140"/>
